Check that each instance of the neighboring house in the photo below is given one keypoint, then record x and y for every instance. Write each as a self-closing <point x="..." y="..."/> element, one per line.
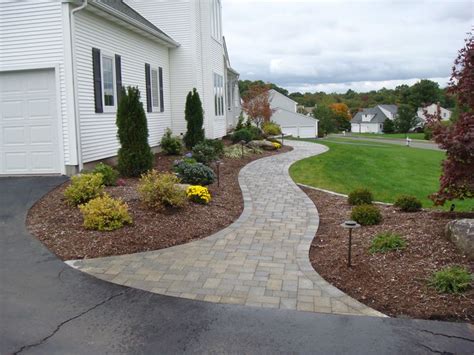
<point x="62" y="64"/>
<point x="432" y="110"/>
<point x="291" y="122"/>
<point x="371" y="120"/>
<point x="308" y="111"/>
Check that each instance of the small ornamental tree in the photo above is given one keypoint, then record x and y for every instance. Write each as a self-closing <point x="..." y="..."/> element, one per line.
<point x="194" y="116"/>
<point x="134" y="156"/>
<point x="256" y="104"/>
<point x="457" y="178"/>
<point x="406" y="118"/>
<point x="388" y="126"/>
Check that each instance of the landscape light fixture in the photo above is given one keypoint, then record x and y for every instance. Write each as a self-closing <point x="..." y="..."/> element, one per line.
<point x="350" y="225"/>
<point x="282" y="139"/>
<point x="242" y="143"/>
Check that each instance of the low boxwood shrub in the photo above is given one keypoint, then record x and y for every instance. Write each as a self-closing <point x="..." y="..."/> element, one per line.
<point x="170" y="144"/>
<point x="204" y="153"/>
<point x="161" y="190"/>
<point x="83" y="188"/>
<point x="194" y="173"/>
<point x="242" y="135"/>
<point x="255" y="132"/>
<point x="198" y="194"/>
<point x="104" y="213"/>
<point x="366" y="215"/>
<point x="360" y="196"/>
<point x="271" y="129"/>
<point x="452" y="279"/>
<point x="109" y="174"/>
<point x="384" y="242"/>
<point x="408" y="203"/>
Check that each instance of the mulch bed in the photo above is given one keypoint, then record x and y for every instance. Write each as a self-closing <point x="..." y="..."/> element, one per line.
<point x="393" y="283"/>
<point x="59" y="226"/>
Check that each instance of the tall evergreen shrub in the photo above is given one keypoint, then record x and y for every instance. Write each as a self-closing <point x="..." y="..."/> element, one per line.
<point x="134" y="156"/>
<point x="194" y="115"/>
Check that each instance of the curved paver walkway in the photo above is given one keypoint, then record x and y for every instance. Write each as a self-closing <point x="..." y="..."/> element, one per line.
<point x="260" y="260"/>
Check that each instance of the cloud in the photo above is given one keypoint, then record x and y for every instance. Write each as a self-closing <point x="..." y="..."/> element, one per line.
<point x="329" y="43"/>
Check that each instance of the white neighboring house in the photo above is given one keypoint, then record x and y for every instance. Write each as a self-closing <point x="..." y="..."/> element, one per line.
<point x="432" y="110"/>
<point x="291" y="122"/>
<point x="62" y="64"/>
<point x="371" y="120"/>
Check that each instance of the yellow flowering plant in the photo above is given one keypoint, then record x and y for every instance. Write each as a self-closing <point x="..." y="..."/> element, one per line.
<point x="198" y="194"/>
<point x="276" y="145"/>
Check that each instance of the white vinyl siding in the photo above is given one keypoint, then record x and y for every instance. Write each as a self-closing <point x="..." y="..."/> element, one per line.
<point x="218" y="95"/>
<point x="98" y="130"/>
<point x="31" y="35"/>
<point x="216" y="20"/>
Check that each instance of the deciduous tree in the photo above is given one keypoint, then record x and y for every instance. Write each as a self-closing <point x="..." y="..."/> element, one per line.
<point x="406" y="118"/>
<point x="256" y="104"/>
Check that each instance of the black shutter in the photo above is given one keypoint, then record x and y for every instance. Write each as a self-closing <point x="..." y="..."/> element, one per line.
<point x="118" y="77"/>
<point x="97" y="80"/>
<point x="160" y="80"/>
<point x="148" y="87"/>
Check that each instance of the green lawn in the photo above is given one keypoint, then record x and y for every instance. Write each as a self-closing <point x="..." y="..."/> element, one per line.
<point x="419" y="136"/>
<point x="387" y="170"/>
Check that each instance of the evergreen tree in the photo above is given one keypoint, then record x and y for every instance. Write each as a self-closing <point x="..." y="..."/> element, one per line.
<point x="388" y="126"/>
<point x="194" y="116"/>
<point x="406" y="118"/>
<point x="134" y="156"/>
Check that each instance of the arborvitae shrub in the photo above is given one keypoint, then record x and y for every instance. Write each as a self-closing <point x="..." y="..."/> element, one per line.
<point x="134" y="156"/>
<point x="194" y="115"/>
<point x="171" y="145"/>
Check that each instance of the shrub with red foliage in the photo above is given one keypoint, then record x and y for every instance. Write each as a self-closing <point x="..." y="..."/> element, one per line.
<point x="457" y="179"/>
<point x="256" y="104"/>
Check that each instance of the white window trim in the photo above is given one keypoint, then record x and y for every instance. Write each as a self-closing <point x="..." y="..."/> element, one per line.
<point x="219" y="95"/>
<point x="153" y="107"/>
<point x="216" y="21"/>
<point x="114" y="81"/>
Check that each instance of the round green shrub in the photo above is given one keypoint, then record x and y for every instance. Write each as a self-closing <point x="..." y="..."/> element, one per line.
<point x="271" y="129"/>
<point x="242" y="135"/>
<point x="195" y="174"/>
<point x="360" y="196"/>
<point x="217" y="144"/>
<point x="408" y="203"/>
<point x="366" y="215"/>
<point x="204" y="153"/>
<point x="169" y="144"/>
<point x="385" y="242"/>
<point x="452" y="279"/>
<point x="109" y="174"/>
<point x="104" y="213"/>
<point x="83" y="188"/>
<point x="255" y="132"/>
<point x="161" y="190"/>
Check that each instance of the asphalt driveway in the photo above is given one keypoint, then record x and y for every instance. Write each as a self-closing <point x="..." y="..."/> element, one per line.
<point x="47" y="307"/>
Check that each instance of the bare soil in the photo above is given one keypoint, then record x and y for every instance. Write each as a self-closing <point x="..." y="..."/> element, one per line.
<point x="394" y="283"/>
<point x="59" y="226"/>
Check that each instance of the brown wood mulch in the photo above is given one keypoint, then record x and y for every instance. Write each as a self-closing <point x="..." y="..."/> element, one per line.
<point x="393" y="283"/>
<point x="59" y="226"/>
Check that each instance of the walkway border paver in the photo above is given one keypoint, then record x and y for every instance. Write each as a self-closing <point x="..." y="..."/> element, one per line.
<point x="262" y="259"/>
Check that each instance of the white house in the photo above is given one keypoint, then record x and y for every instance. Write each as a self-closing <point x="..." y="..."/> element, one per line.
<point x="371" y="120"/>
<point x="432" y="110"/>
<point x="62" y="64"/>
<point x="291" y="122"/>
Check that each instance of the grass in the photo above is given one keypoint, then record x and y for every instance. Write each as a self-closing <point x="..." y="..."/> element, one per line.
<point x="454" y="279"/>
<point x="420" y="136"/>
<point x="385" y="242"/>
<point x="387" y="170"/>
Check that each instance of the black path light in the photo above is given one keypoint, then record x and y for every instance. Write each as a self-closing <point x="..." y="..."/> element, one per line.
<point x="242" y="143"/>
<point x="350" y="225"/>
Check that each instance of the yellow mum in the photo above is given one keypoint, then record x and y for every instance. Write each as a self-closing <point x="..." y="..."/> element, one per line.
<point x="276" y="145"/>
<point x="199" y="194"/>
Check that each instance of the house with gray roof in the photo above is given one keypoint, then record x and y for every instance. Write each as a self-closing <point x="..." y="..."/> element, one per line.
<point x="371" y="120"/>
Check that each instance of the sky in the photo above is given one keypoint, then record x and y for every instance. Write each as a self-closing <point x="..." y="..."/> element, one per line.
<point x="333" y="45"/>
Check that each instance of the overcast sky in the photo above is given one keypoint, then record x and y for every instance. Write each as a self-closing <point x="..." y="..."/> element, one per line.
<point x="317" y="45"/>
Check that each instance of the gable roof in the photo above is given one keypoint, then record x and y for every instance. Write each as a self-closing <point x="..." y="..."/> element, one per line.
<point x="121" y="11"/>
<point x="273" y="92"/>
<point x="378" y="115"/>
<point x="287" y="118"/>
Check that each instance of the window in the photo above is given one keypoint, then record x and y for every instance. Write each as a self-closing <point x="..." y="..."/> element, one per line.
<point x="218" y="95"/>
<point x="216" y="21"/>
<point x="154" y="89"/>
<point x="108" y="81"/>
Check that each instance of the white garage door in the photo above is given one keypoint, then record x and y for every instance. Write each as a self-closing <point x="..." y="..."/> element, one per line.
<point x="290" y="131"/>
<point x="308" y="132"/>
<point x="28" y="123"/>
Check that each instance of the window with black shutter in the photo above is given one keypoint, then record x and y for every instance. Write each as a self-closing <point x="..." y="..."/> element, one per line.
<point x="96" y="69"/>
<point x="162" y="102"/>
<point x="148" y="88"/>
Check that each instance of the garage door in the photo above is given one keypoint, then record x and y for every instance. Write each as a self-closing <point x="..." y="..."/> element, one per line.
<point x="291" y="131"/>
<point x="28" y="123"/>
<point x="308" y="132"/>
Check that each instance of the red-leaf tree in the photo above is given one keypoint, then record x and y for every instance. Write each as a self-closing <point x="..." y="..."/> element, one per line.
<point x="256" y="104"/>
<point x="457" y="178"/>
